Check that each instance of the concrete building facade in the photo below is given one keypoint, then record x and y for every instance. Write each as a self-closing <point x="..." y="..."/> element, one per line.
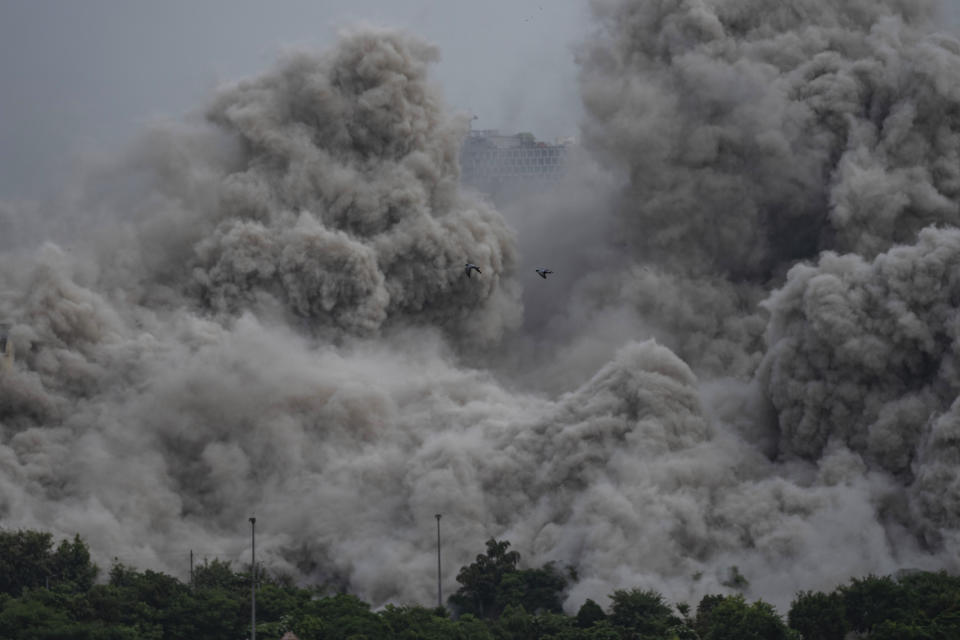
<point x="493" y="162"/>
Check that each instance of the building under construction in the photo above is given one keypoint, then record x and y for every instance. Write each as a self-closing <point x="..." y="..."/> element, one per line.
<point x="497" y="164"/>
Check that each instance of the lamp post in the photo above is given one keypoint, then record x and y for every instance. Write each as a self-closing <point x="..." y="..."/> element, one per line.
<point x="439" y="590"/>
<point x="253" y="579"/>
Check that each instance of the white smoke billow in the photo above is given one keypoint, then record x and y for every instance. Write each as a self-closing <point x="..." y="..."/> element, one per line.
<point x="748" y="355"/>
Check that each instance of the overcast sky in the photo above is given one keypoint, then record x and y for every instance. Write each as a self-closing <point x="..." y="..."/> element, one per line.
<point x="79" y="76"/>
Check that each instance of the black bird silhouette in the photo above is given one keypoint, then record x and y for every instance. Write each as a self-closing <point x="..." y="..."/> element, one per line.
<point x="471" y="267"/>
<point x="543" y="272"/>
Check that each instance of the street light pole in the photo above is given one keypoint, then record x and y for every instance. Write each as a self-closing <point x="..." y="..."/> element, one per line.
<point x="439" y="590"/>
<point x="253" y="580"/>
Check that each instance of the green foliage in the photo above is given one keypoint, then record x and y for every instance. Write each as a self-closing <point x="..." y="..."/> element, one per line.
<point x="492" y="583"/>
<point x="703" y="620"/>
<point x="352" y="615"/>
<point x="933" y="598"/>
<point x="872" y="600"/>
<point x="497" y="601"/>
<point x="536" y="590"/>
<point x="893" y="630"/>
<point x="514" y="623"/>
<point x="734" y="619"/>
<point x="481" y="579"/>
<point x="30" y="618"/>
<point x="274" y="601"/>
<point x="643" y="612"/>
<point x="818" y="616"/>
<point x="414" y="623"/>
<point x="219" y="574"/>
<point x="469" y="627"/>
<point x="27" y="560"/>
<point x="915" y="605"/>
<point x="23" y="560"/>
<point x="551" y="625"/>
<point x="131" y="597"/>
<point x="589" y="614"/>
<point x="213" y="613"/>
<point x="70" y="566"/>
<point x="602" y="631"/>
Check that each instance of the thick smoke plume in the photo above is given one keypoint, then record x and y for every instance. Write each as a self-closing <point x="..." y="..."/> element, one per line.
<point x="746" y="356"/>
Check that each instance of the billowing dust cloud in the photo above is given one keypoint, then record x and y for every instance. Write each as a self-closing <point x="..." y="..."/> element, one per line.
<point x="747" y="356"/>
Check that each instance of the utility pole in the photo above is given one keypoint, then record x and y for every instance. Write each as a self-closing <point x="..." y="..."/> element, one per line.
<point x="253" y="580"/>
<point x="191" y="568"/>
<point x="439" y="589"/>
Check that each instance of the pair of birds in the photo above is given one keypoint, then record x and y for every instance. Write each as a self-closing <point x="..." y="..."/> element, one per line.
<point x="472" y="267"/>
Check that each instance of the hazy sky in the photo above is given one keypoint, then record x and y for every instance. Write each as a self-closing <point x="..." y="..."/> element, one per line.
<point x="77" y="76"/>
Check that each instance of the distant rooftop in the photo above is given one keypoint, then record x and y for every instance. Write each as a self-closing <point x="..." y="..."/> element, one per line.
<point x="491" y="161"/>
<point x="493" y="137"/>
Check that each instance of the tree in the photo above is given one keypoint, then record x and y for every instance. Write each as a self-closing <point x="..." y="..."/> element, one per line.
<point x="818" y="616"/>
<point x="481" y="579"/>
<point x="344" y="616"/>
<point x="934" y="596"/>
<point x="70" y="567"/>
<point x="551" y="625"/>
<point x="417" y="623"/>
<point x="708" y="603"/>
<point x="733" y="619"/>
<point x="589" y="614"/>
<point x="870" y="601"/>
<point x="471" y="628"/>
<point x="536" y="590"/>
<point x="274" y="601"/>
<point x="30" y="618"/>
<point x="28" y="561"/>
<point x="643" y="612"/>
<point x="24" y="560"/>
<point x="219" y="574"/>
<point x="514" y="623"/>
<point x="492" y="583"/>
<point x="893" y="630"/>
<point x="211" y="613"/>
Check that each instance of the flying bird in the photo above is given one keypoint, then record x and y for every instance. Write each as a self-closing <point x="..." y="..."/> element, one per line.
<point x="471" y="267"/>
<point x="543" y="272"/>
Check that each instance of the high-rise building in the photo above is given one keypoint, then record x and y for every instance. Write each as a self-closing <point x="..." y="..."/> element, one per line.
<point x="493" y="162"/>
